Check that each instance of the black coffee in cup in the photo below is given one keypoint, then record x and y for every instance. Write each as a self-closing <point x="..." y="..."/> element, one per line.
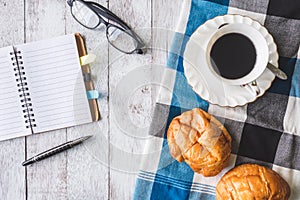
<point x="233" y="56"/>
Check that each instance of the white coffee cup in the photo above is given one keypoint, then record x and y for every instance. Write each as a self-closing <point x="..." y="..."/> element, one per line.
<point x="261" y="48"/>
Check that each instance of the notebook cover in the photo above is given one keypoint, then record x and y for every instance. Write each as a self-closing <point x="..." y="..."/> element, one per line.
<point x="88" y="84"/>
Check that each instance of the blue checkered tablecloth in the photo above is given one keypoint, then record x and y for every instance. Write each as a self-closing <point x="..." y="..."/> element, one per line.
<point x="266" y="132"/>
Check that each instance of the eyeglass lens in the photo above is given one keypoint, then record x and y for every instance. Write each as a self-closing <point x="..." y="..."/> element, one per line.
<point x="85" y="15"/>
<point x="121" y="39"/>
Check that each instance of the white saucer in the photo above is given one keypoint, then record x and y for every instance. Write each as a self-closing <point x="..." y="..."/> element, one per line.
<point x="202" y="79"/>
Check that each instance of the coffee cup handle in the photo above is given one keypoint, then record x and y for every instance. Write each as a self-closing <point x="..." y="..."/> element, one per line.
<point x="252" y="87"/>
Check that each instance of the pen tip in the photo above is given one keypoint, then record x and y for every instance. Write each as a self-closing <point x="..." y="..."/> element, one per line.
<point x="27" y="162"/>
<point x="86" y="137"/>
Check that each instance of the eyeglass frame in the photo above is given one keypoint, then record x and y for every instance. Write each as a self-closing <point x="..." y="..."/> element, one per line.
<point x="101" y="10"/>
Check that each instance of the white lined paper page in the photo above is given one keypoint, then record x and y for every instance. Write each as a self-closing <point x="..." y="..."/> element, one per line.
<point x="56" y="83"/>
<point x="12" y="121"/>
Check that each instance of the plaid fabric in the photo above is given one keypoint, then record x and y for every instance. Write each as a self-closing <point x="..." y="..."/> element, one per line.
<point x="266" y="132"/>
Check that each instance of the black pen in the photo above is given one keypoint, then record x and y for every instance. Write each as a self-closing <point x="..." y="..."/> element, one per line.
<point x="55" y="150"/>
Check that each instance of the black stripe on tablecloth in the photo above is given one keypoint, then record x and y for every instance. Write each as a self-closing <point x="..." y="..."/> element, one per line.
<point x="284" y="86"/>
<point x="235" y="128"/>
<point x="162" y="117"/>
<point x="159" y="121"/>
<point x="288" y="151"/>
<point x="284" y="8"/>
<point x="286" y="33"/>
<point x="258" y="6"/>
<point x="259" y="143"/>
<point x="268" y="111"/>
<point x="246" y="160"/>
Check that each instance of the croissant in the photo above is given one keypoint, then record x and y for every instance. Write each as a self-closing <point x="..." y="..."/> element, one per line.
<point x="200" y="140"/>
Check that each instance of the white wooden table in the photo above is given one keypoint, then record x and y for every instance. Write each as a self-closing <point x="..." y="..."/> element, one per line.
<point x="94" y="170"/>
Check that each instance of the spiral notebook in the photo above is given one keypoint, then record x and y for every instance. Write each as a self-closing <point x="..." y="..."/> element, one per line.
<point x="41" y="87"/>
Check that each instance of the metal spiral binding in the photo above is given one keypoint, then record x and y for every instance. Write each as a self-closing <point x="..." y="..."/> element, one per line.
<point x="23" y="89"/>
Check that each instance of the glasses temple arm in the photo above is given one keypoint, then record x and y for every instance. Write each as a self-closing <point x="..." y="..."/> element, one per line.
<point x="108" y="14"/>
<point x="111" y="16"/>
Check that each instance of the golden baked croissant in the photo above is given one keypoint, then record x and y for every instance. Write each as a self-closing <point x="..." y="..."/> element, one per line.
<point x="250" y="182"/>
<point x="200" y="140"/>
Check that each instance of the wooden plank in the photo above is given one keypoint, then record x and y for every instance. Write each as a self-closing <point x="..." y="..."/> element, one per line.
<point x="130" y="115"/>
<point x="46" y="179"/>
<point x="82" y="173"/>
<point x="12" y="152"/>
<point x="87" y="165"/>
<point x="165" y="16"/>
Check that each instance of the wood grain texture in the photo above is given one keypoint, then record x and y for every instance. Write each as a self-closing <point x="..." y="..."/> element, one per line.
<point x="46" y="179"/>
<point x="87" y="165"/>
<point x="104" y="167"/>
<point x="125" y="138"/>
<point x="12" y="152"/>
<point x="165" y="16"/>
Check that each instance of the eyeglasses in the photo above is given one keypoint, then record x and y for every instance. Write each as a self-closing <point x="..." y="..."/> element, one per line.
<point x="119" y="35"/>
